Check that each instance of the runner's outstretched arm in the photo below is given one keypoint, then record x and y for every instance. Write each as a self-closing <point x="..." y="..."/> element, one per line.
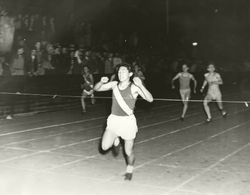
<point x="104" y="85"/>
<point x="173" y="80"/>
<point x="204" y="85"/>
<point x="142" y="91"/>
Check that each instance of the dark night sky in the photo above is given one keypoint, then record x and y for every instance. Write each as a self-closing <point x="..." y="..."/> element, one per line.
<point x="221" y="27"/>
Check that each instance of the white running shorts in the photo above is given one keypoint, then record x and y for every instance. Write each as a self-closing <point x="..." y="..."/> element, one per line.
<point x="123" y="126"/>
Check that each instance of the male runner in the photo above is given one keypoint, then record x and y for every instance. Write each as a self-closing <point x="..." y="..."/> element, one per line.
<point x="122" y="122"/>
<point x="87" y="87"/>
<point x="213" y="79"/>
<point x="185" y="91"/>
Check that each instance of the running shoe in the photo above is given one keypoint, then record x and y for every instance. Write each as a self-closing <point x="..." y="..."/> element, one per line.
<point x="83" y="111"/>
<point x="224" y="114"/>
<point x="209" y="120"/>
<point x="9" y="117"/>
<point x="128" y="176"/>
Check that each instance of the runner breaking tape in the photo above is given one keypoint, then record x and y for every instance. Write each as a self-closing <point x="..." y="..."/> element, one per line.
<point x="122" y="122"/>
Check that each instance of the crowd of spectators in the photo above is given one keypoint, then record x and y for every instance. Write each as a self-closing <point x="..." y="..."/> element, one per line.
<point x="45" y="58"/>
<point x="34" y="27"/>
<point x="37" y="50"/>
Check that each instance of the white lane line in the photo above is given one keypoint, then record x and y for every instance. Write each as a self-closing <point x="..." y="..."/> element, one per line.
<point x="193" y="144"/>
<point x="57" y="125"/>
<point x="21" y="157"/>
<point x="18" y="148"/>
<point x="172" y="166"/>
<point x="181" y="129"/>
<point x="45" y="151"/>
<point x="84" y="158"/>
<point x="35" y="153"/>
<point x="177" y="117"/>
<point x="190" y="192"/>
<point x="80" y="130"/>
<point x="94" y="139"/>
<point x="35" y="172"/>
<point x="74" y="144"/>
<point x="209" y="168"/>
<point x="73" y="131"/>
<point x="188" y="146"/>
<point x="23" y="122"/>
<point x="109" y="179"/>
<point x="68" y="123"/>
<point x="52" y="135"/>
<point x="50" y="126"/>
<point x="168" y="154"/>
<point x="68" y="145"/>
<point x="169" y="133"/>
<point x="69" y="163"/>
<point x="97" y="138"/>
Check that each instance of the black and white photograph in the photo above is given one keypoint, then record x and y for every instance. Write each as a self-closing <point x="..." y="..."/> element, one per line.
<point x="124" y="97"/>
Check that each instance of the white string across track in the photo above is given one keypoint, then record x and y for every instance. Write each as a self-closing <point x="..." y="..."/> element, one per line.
<point x="245" y="102"/>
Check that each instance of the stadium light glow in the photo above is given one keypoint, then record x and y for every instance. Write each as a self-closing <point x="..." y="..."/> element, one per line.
<point x="194" y="43"/>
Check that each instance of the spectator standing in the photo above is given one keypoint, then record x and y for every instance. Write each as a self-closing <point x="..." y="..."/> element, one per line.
<point x="18" y="24"/>
<point x="116" y="60"/>
<point x="38" y="51"/>
<point x="75" y="62"/>
<point x="17" y="67"/>
<point x="65" y="61"/>
<point x="108" y="66"/>
<point x="32" y="63"/>
<point x="138" y="73"/>
<point x="87" y="87"/>
<point x="5" y="67"/>
<point x="52" y="28"/>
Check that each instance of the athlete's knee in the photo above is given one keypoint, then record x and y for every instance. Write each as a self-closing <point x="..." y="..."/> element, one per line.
<point x="105" y="146"/>
<point x="106" y="142"/>
<point x="83" y="98"/>
<point x="128" y="148"/>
